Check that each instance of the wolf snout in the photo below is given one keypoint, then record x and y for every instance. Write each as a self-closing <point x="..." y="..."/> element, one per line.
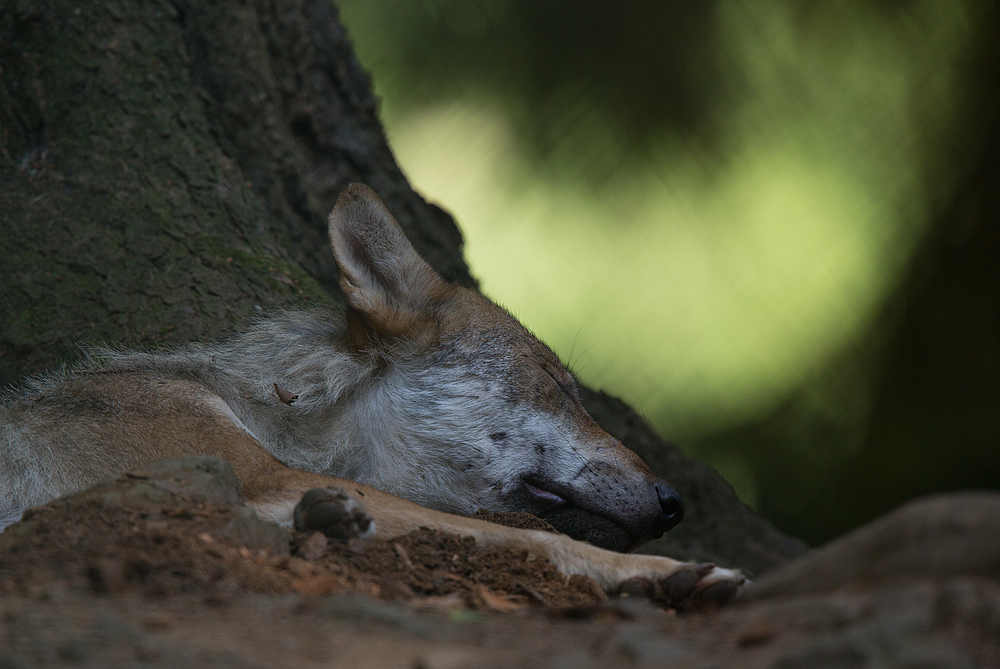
<point x="671" y="506"/>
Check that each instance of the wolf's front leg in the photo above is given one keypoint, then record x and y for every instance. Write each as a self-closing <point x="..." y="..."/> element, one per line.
<point x="338" y="513"/>
<point x="662" y="579"/>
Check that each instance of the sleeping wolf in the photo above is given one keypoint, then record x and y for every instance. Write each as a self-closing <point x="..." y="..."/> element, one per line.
<point x="425" y="401"/>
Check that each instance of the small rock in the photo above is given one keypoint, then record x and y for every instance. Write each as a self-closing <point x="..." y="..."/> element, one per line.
<point x="314" y="547"/>
<point x="247" y="529"/>
<point x="200" y="478"/>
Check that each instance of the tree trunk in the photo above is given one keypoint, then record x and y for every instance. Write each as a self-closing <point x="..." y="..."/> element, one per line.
<point x="166" y="172"/>
<point x="168" y="169"/>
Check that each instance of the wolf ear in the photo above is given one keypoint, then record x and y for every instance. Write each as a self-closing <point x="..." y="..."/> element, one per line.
<point x="388" y="285"/>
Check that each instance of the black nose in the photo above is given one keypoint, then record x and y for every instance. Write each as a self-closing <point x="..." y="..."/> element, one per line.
<point x="671" y="506"/>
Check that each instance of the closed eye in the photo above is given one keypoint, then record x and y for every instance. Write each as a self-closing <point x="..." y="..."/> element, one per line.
<point x="566" y="391"/>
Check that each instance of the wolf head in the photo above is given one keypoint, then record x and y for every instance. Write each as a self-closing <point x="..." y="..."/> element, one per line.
<point x="467" y="408"/>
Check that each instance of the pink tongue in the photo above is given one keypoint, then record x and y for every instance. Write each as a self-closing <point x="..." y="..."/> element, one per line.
<point x="543" y="494"/>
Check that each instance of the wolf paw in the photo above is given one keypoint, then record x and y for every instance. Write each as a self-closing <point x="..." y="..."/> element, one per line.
<point x="334" y="513"/>
<point x="694" y="585"/>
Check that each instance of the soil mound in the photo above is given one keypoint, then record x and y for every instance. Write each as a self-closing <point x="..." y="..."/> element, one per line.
<point x="181" y="527"/>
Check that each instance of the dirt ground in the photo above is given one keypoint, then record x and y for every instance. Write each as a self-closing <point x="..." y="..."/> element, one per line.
<point x="167" y="568"/>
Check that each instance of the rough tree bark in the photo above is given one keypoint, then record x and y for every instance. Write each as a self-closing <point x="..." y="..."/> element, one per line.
<point x="166" y="172"/>
<point x="168" y="168"/>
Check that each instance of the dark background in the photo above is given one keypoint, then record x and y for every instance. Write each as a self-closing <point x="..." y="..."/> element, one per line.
<point x="908" y="405"/>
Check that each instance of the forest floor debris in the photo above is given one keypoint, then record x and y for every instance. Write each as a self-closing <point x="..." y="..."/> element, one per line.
<point x="166" y="567"/>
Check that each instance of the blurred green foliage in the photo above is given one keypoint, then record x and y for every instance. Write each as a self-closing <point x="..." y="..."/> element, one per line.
<point x="703" y="207"/>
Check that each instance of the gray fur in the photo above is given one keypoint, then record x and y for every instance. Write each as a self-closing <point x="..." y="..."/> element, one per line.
<point x="422" y="427"/>
<point x="449" y="402"/>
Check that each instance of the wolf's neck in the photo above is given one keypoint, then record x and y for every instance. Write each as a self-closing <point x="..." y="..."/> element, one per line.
<point x="306" y="398"/>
